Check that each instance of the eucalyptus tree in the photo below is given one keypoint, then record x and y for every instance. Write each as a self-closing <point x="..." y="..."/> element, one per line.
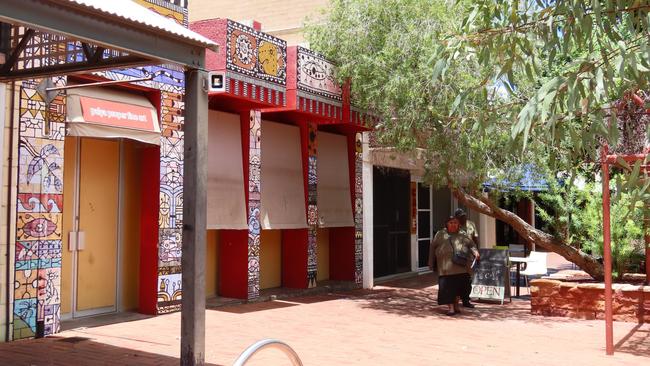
<point x="488" y="87"/>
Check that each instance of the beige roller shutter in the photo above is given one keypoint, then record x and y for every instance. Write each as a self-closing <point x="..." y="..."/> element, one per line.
<point x="334" y="200"/>
<point x="283" y="191"/>
<point x="226" y="200"/>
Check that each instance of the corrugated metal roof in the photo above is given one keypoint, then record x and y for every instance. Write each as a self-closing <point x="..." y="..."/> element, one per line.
<point x="130" y="11"/>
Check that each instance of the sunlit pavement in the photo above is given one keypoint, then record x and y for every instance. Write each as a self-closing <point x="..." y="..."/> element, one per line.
<point x="397" y="323"/>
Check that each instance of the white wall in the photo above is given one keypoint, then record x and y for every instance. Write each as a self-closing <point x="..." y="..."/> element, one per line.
<point x="368" y="272"/>
<point x="487" y="231"/>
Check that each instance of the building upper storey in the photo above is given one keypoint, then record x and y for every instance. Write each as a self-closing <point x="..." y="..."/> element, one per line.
<point x="281" y="18"/>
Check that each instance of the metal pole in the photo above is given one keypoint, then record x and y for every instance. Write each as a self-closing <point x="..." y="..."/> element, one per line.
<point x="646" y="237"/>
<point x="607" y="258"/>
<point x="194" y="218"/>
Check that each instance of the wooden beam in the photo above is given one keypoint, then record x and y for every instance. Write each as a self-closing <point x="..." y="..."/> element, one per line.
<point x="97" y="56"/>
<point x="195" y="178"/>
<point x="84" y="25"/>
<point x="13" y="58"/>
<point x="88" y="50"/>
<point x="76" y="68"/>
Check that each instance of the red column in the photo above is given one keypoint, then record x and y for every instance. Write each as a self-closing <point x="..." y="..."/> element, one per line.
<point x="149" y="230"/>
<point x="646" y="237"/>
<point x="607" y="258"/>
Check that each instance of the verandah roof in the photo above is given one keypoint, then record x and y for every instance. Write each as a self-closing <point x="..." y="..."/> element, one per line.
<point x="67" y="36"/>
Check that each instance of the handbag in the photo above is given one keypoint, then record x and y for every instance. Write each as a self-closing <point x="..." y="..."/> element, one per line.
<point x="457" y="256"/>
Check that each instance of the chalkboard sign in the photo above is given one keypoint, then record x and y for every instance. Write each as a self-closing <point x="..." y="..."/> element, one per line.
<point x="491" y="276"/>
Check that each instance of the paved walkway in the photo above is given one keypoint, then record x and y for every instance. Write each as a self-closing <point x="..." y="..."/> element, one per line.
<point x="394" y="324"/>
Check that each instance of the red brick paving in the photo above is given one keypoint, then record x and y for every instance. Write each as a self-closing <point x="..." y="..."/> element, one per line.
<point x="394" y="324"/>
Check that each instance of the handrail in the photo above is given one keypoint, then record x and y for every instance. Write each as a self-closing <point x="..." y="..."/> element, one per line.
<point x="268" y="343"/>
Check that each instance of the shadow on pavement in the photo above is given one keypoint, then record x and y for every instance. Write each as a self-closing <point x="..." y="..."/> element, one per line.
<point x="101" y="320"/>
<point x="254" y="307"/>
<point x="77" y="351"/>
<point x="417" y="297"/>
<point x="636" y="341"/>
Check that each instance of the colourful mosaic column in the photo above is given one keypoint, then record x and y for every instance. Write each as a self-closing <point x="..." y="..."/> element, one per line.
<point x="312" y="208"/>
<point x="254" y="203"/>
<point x="358" y="210"/>
<point x="37" y="281"/>
<point x="170" y="220"/>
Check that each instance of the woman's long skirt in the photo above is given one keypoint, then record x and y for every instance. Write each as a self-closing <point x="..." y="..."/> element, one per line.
<point x="451" y="286"/>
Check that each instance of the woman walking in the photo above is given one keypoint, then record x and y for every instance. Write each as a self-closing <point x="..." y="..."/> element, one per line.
<point x="450" y="254"/>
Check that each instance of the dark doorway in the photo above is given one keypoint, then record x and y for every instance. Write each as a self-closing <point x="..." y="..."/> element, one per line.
<point x="392" y="236"/>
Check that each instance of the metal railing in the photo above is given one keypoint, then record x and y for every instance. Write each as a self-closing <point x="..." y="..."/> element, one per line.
<point x="268" y="343"/>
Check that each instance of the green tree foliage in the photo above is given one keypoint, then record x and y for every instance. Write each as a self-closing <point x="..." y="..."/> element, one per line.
<point x="574" y="214"/>
<point x="488" y="86"/>
<point x="391" y="50"/>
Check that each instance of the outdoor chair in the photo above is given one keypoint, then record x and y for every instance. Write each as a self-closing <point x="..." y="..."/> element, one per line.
<point x="536" y="266"/>
<point x="517" y="250"/>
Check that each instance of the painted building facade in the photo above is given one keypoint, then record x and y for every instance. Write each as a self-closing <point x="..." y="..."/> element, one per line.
<point x="279" y="18"/>
<point x="68" y="257"/>
<point x="275" y="232"/>
<point x="401" y="243"/>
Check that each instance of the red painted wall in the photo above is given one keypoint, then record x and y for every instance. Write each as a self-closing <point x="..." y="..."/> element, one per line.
<point x="352" y="158"/>
<point x="233" y="247"/>
<point x="149" y="230"/>
<point x="342" y="253"/>
<point x="215" y="30"/>
<point x="294" y="258"/>
<point x="233" y="264"/>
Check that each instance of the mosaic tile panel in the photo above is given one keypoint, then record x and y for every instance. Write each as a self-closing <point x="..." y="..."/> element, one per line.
<point x="170" y="291"/>
<point x="312" y="207"/>
<point x="256" y="54"/>
<point x="317" y="75"/>
<point x="358" y="210"/>
<point x="170" y="218"/>
<point x="254" y="203"/>
<point x="37" y="291"/>
<point x="37" y="262"/>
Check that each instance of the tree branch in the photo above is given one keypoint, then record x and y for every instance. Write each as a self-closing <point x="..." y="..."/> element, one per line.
<point x="486" y="206"/>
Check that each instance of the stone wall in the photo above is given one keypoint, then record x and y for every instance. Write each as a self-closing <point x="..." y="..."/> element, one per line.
<point x="631" y="303"/>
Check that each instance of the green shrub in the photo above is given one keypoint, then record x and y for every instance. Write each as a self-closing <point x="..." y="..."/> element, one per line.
<point x="575" y="215"/>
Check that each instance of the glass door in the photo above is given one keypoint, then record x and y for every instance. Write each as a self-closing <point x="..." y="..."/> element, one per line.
<point x="424" y="224"/>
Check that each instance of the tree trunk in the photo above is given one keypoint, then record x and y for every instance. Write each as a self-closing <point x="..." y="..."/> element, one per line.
<point x="485" y="206"/>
